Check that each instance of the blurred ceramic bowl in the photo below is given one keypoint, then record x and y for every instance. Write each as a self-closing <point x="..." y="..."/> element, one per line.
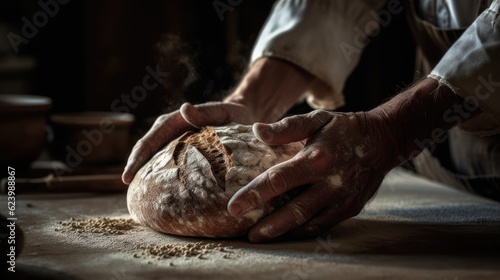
<point x="22" y="128"/>
<point x="91" y="137"/>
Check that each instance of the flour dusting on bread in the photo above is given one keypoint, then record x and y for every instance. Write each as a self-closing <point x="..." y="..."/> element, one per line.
<point x="185" y="188"/>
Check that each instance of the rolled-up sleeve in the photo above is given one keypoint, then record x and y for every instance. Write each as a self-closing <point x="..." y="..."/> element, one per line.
<point x="471" y="68"/>
<point x="324" y="37"/>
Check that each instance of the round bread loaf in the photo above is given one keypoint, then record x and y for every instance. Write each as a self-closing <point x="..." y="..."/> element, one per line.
<point x="185" y="188"/>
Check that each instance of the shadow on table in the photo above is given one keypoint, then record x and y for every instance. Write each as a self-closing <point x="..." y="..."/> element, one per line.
<point x="360" y="240"/>
<point x="391" y="237"/>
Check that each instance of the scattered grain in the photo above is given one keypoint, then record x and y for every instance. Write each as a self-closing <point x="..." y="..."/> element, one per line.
<point x="104" y="226"/>
<point x="197" y="250"/>
<point x="119" y="226"/>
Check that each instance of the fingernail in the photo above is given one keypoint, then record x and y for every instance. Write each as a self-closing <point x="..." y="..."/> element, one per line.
<point x="125" y="179"/>
<point x="265" y="134"/>
<point x="235" y="209"/>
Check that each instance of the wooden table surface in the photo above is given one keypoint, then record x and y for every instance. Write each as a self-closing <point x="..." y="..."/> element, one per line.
<point x="413" y="229"/>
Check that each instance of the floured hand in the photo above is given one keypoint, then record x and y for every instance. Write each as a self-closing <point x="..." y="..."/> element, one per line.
<point x="170" y="126"/>
<point x="343" y="163"/>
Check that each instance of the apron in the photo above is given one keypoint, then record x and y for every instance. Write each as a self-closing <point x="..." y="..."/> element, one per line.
<point x="466" y="161"/>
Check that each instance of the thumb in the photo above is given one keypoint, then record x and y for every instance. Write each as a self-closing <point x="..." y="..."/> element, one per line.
<point x="291" y="129"/>
<point x="214" y="113"/>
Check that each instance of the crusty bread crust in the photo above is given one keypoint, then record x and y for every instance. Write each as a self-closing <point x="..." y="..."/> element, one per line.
<point x="185" y="188"/>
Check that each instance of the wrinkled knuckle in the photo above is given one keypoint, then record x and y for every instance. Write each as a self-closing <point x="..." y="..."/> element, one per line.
<point x="299" y="213"/>
<point x="287" y="123"/>
<point x="321" y="160"/>
<point x="161" y="120"/>
<point x="269" y="232"/>
<point x="321" y="116"/>
<point x="320" y="153"/>
<point x="254" y="198"/>
<point x="276" y="182"/>
<point x="316" y="114"/>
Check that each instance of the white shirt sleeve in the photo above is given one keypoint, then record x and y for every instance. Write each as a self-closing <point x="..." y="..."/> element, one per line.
<point x="471" y="68"/>
<point x="451" y="14"/>
<point x="324" y="37"/>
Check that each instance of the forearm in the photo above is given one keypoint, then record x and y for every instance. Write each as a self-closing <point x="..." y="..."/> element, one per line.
<point x="326" y="38"/>
<point x="270" y="88"/>
<point x="420" y="116"/>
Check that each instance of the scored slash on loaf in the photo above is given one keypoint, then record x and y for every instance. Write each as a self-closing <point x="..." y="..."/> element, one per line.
<point x="185" y="188"/>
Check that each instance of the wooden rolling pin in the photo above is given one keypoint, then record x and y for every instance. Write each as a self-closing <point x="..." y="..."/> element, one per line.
<point x="84" y="183"/>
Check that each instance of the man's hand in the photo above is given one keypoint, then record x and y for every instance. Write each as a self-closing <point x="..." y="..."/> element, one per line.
<point x="170" y="126"/>
<point x="344" y="160"/>
<point x="343" y="163"/>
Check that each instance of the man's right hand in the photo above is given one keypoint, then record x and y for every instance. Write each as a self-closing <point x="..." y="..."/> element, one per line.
<point x="170" y="126"/>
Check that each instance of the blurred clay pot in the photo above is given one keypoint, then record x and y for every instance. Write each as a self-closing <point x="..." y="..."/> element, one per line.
<point x="91" y="137"/>
<point x="22" y="128"/>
